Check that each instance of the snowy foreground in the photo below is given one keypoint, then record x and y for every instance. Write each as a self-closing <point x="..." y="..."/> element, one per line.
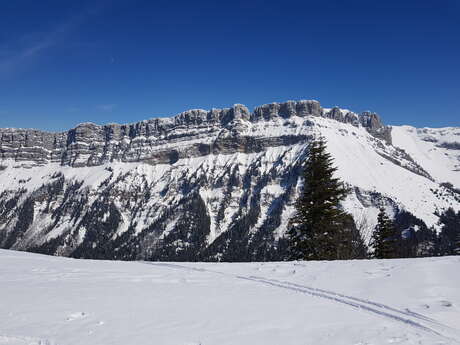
<point x="53" y="300"/>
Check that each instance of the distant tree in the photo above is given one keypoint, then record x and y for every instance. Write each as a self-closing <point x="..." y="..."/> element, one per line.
<point x="457" y="245"/>
<point x="385" y="238"/>
<point x="426" y="242"/>
<point x="450" y="232"/>
<point x="350" y="243"/>
<point x="416" y="239"/>
<point x="320" y="229"/>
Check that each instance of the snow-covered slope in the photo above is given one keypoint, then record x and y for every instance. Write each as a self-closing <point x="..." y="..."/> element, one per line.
<point x="56" y="301"/>
<point x="437" y="150"/>
<point x="217" y="185"/>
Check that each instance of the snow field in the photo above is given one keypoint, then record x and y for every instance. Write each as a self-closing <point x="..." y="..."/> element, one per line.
<point x="53" y="300"/>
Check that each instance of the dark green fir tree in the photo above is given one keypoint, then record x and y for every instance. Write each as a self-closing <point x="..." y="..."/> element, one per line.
<point x="320" y="229"/>
<point x="457" y="244"/>
<point x="385" y="237"/>
<point x="450" y="232"/>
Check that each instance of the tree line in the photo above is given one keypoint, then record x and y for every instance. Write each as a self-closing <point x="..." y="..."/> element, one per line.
<point x="322" y="230"/>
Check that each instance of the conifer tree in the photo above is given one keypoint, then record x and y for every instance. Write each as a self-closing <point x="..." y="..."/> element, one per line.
<point x="427" y="240"/>
<point x="457" y="244"/>
<point x="384" y="238"/>
<point x="450" y="232"/>
<point x="320" y="229"/>
<point x="350" y="243"/>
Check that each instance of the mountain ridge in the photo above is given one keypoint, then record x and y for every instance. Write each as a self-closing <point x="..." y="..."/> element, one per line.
<point x="215" y="185"/>
<point x="311" y="103"/>
<point x="42" y="146"/>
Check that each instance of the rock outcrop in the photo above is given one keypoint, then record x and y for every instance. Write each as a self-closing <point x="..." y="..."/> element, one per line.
<point x="89" y="144"/>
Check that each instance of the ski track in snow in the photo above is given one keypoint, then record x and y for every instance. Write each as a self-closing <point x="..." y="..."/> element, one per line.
<point x="375" y="308"/>
<point x="16" y="340"/>
<point x="366" y="301"/>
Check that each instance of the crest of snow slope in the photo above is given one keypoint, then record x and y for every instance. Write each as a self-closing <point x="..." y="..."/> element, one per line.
<point x="363" y="162"/>
<point x="55" y="301"/>
<point x="437" y="150"/>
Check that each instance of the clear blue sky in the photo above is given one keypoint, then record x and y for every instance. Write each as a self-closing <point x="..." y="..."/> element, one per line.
<point x="66" y="62"/>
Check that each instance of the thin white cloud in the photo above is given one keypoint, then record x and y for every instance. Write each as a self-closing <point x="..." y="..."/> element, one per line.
<point x="106" y="107"/>
<point x="13" y="59"/>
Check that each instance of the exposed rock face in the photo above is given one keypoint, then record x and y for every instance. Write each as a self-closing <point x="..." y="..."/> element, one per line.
<point x="203" y="185"/>
<point x="375" y="126"/>
<point x="89" y="144"/>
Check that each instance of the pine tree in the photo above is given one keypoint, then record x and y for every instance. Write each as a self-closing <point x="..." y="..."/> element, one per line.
<point x="350" y="244"/>
<point x="417" y="240"/>
<point x="384" y="238"/>
<point x="427" y="239"/>
<point x="457" y="244"/>
<point x="450" y="232"/>
<point x="320" y="230"/>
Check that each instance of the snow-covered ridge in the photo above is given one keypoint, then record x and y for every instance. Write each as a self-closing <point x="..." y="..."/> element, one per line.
<point x="436" y="149"/>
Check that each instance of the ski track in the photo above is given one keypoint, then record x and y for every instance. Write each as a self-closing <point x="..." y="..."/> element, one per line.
<point x="15" y="340"/>
<point x="361" y="300"/>
<point x="376" y="308"/>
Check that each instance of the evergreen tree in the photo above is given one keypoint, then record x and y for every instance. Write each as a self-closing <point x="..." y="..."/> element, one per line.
<point x="385" y="238"/>
<point x="350" y="244"/>
<point x="416" y="239"/>
<point x="320" y="229"/>
<point x="426" y="242"/>
<point x="457" y="244"/>
<point x="450" y="232"/>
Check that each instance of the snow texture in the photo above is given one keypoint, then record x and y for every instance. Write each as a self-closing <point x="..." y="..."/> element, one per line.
<point x="53" y="301"/>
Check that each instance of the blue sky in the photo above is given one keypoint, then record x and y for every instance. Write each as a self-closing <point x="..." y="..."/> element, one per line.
<point x="62" y="62"/>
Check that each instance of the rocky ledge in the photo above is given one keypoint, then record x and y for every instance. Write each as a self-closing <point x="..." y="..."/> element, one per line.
<point x="156" y="140"/>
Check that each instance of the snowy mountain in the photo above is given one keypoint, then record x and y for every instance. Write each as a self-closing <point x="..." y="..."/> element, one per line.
<point x="209" y="185"/>
<point x="53" y="301"/>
